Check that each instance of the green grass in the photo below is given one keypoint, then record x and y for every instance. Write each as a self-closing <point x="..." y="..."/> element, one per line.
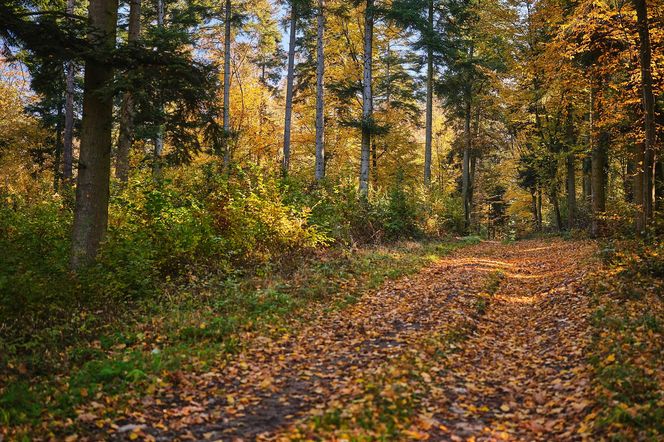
<point x="194" y="324"/>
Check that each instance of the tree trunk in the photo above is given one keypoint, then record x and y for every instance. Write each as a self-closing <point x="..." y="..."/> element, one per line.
<point x="553" y="195"/>
<point x="599" y="159"/>
<point x="285" y="165"/>
<point x="648" y="101"/>
<point x="159" y="137"/>
<point x="571" y="171"/>
<point x="68" y="144"/>
<point x="58" y="150"/>
<point x="126" y="136"/>
<point x="94" y="168"/>
<point x="533" y="207"/>
<point x="367" y="99"/>
<point x="320" y="93"/>
<point x="587" y="188"/>
<point x="227" y="83"/>
<point x="539" y="209"/>
<point x="637" y="185"/>
<point x="429" y="105"/>
<point x="465" y="167"/>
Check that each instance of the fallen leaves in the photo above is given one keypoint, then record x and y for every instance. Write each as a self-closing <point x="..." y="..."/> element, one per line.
<point x="415" y="360"/>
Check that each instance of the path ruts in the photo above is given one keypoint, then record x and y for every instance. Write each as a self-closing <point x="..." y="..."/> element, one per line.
<point x="516" y="319"/>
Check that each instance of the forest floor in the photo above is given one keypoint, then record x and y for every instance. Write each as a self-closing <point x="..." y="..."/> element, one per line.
<point x="486" y="343"/>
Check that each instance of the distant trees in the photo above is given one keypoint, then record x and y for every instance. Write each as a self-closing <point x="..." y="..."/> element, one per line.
<point x="549" y="91"/>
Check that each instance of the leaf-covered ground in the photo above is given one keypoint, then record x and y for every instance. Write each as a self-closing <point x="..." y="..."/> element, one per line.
<point x="487" y="343"/>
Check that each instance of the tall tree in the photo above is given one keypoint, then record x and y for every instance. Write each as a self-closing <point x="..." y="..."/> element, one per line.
<point x="367" y="98"/>
<point x="320" y="92"/>
<point x="94" y="166"/>
<point x="127" y="113"/>
<point x="159" y="136"/>
<point x="227" y="82"/>
<point x="68" y="142"/>
<point x="647" y="171"/>
<point x="290" y="79"/>
<point x="429" y="106"/>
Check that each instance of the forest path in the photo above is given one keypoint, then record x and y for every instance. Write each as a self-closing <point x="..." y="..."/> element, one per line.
<point x="486" y="343"/>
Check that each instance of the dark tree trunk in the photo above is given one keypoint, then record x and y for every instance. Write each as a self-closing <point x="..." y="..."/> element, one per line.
<point x="465" y="167"/>
<point x="648" y="101"/>
<point x="587" y="188"/>
<point x="637" y="184"/>
<point x="94" y="168"/>
<point x="599" y="164"/>
<point x="570" y="180"/>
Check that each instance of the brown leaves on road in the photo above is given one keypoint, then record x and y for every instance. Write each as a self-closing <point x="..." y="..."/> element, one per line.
<point x="487" y="344"/>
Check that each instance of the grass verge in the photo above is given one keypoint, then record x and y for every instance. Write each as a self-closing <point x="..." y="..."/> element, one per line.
<point x="628" y="343"/>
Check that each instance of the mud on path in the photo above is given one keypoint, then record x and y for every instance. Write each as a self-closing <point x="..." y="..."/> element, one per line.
<point x="487" y="343"/>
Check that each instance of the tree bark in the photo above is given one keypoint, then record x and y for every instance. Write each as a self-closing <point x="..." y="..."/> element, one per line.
<point x="58" y="150"/>
<point x="587" y="188"/>
<point x="94" y="168"/>
<point x="429" y="105"/>
<point x="68" y="143"/>
<point x="159" y="137"/>
<point x="227" y="83"/>
<point x="367" y="99"/>
<point x="648" y="101"/>
<point x="320" y="93"/>
<point x="465" y="167"/>
<point x="571" y="171"/>
<point x="126" y="136"/>
<point x="539" y="209"/>
<point x="285" y="165"/>
<point x="599" y="165"/>
<point x="556" y="208"/>
<point x="637" y="184"/>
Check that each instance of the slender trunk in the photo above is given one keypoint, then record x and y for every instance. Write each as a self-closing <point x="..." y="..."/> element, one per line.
<point x="320" y="96"/>
<point x="429" y="106"/>
<point x="465" y="186"/>
<point x="539" y="209"/>
<point x="367" y="99"/>
<point x="94" y="166"/>
<point x="533" y="207"/>
<point x="587" y="188"/>
<point x="637" y="185"/>
<point x="159" y="137"/>
<point x="648" y="101"/>
<point x="556" y="208"/>
<point x="285" y="165"/>
<point x="126" y="136"/>
<point x="58" y="151"/>
<point x="227" y="83"/>
<point x="628" y="177"/>
<point x="571" y="171"/>
<point x="68" y="144"/>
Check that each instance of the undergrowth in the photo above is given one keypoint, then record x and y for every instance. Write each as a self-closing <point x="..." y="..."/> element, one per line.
<point x="629" y="342"/>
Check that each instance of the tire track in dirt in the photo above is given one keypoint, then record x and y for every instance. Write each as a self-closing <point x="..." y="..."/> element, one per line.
<point x="519" y="375"/>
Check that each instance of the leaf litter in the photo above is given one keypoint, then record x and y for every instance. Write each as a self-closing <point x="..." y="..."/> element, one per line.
<point x="486" y="344"/>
